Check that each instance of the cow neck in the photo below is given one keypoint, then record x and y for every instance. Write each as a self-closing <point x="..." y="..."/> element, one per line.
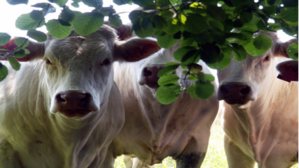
<point x="268" y="114"/>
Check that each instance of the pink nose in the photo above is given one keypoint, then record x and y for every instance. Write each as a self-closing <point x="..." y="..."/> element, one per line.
<point x="74" y="103"/>
<point x="150" y="75"/>
<point x="234" y="93"/>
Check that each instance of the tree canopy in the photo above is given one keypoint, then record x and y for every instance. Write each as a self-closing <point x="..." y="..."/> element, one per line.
<point x="210" y="30"/>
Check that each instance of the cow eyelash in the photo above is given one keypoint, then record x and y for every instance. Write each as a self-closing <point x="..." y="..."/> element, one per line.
<point x="106" y="62"/>
<point x="48" y="62"/>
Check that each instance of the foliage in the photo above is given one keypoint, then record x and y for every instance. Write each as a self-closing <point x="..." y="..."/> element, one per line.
<point x="210" y="30"/>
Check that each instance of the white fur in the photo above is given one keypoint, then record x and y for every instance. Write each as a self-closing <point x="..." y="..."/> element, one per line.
<point x="153" y="131"/>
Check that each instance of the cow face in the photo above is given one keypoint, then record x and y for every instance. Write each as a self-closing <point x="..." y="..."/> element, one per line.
<point x="77" y="73"/>
<point x="150" y="67"/>
<point x="241" y="82"/>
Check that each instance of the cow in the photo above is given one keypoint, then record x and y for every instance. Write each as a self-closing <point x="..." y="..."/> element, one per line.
<point x="63" y="108"/>
<point x="288" y="70"/>
<point x="154" y="131"/>
<point x="260" y="120"/>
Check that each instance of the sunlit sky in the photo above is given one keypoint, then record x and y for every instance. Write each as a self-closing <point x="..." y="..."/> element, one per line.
<point x="9" y="14"/>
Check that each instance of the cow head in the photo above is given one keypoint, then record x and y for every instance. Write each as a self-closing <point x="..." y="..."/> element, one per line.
<point x="288" y="70"/>
<point x="150" y="67"/>
<point x="76" y="72"/>
<point x="241" y="82"/>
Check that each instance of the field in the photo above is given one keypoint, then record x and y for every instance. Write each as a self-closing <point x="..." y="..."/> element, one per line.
<point x="215" y="157"/>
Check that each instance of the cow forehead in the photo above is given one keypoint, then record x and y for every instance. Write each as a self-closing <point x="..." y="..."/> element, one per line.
<point x="97" y="44"/>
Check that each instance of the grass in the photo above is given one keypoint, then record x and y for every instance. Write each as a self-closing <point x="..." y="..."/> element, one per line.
<point x="215" y="157"/>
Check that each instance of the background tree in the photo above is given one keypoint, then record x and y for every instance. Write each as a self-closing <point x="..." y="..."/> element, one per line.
<point x="210" y="30"/>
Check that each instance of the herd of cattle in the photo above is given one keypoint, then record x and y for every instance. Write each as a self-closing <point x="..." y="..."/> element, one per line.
<point x="70" y="106"/>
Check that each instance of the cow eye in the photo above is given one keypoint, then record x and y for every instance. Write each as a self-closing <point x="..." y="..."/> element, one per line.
<point x="106" y="62"/>
<point x="267" y="58"/>
<point x="48" y="62"/>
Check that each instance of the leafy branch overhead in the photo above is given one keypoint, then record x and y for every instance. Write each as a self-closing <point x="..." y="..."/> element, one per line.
<point x="208" y="30"/>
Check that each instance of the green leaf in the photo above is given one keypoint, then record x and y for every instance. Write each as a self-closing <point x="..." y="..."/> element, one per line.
<point x="191" y="57"/>
<point x="57" y="30"/>
<point x="168" y="94"/>
<point x="159" y="22"/>
<point x="172" y="26"/>
<point x="181" y="52"/>
<point x="191" y="91"/>
<point x="209" y="77"/>
<point x="166" y="40"/>
<point x="37" y="15"/>
<point x="168" y="79"/>
<point x="14" y="63"/>
<point x="20" y="53"/>
<point x="144" y="29"/>
<point x="25" y="22"/>
<point x="204" y="90"/>
<point x="41" y="5"/>
<point x="115" y="20"/>
<point x="292" y="51"/>
<point x="67" y="15"/>
<point x="20" y="41"/>
<point x="16" y="2"/>
<point x="224" y="62"/>
<point x="245" y="17"/>
<point x="239" y="52"/>
<point x="4" y="38"/>
<point x="195" y="24"/>
<point x="75" y="4"/>
<point x="216" y="13"/>
<point x="87" y="23"/>
<point x="263" y="42"/>
<point x="203" y="38"/>
<point x="59" y="2"/>
<point x="37" y="35"/>
<point x="168" y="70"/>
<point x="241" y="3"/>
<point x="289" y="3"/>
<point x="290" y="14"/>
<point x="144" y="3"/>
<point x="3" y="71"/>
<point x="210" y="53"/>
<point x="93" y="3"/>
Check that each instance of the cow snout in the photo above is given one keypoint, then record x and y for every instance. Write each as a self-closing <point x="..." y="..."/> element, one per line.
<point x="74" y="103"/>
<point x="235" y="93"/>
<point x="150" y="77"/>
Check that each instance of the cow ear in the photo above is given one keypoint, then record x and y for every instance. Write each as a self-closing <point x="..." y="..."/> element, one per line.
<point x="280" y="49"/>
<point x="288" y="70"/>
<point x="36" y="50"/>
<point x="124" y="32"/>
<point x="135" y="50"/>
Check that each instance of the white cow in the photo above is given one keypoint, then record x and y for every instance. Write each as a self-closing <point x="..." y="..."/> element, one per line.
<point x="63" y="109"/>
<point x="261" y="112"/>
<point x="153" y="131"/>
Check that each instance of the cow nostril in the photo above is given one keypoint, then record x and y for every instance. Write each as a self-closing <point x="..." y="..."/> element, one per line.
<point x="245" y="91"/>
<point x="86" y="98"/>
<point x="223" y="90"/>
<point x="146" y="72"/>
<point x="60" y="98"/>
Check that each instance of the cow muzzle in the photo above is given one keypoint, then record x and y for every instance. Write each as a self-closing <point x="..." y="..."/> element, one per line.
<point x="74" y="103"/>
<point x="235" y="93"/>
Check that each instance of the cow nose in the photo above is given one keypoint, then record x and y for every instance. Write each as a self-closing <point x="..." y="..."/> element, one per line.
<point x="74" y="103"/>
<point x="235" y="93"/>
<point x="150" y="76"/>
<point x="73" y="97"/>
